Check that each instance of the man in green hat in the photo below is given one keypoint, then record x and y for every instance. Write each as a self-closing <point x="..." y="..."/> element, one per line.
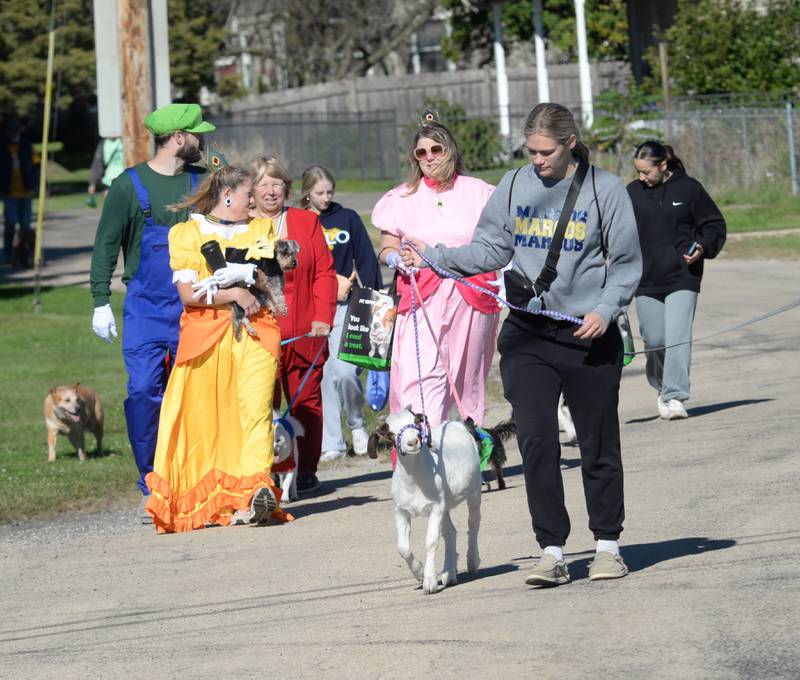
<point x="136" y="219"/>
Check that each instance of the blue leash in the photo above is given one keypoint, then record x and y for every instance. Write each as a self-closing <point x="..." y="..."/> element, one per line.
<point x="306" y="376"/>
<point x="296" y="337"/>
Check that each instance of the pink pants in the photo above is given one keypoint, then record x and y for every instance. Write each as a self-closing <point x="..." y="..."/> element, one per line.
<point x="466" y="339"/>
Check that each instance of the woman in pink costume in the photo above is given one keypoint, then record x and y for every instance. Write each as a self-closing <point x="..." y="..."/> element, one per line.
<point x="438" y="203"/>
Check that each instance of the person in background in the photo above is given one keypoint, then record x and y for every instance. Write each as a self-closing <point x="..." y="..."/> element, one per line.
<point x="596" y="275"/>
<point x="18" y="178"/>
<point x="215" y="441"/>
<point x="310" y="292"/>
<point x="136" y="219"/>
<point x="438" y="202"/>
<point x="107" y="164"/>
<point x="680" y="226"/>
<point x="352" y="254"/>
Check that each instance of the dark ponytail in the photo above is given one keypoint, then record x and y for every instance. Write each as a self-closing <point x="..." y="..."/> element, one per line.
<point x="657" y="153"/>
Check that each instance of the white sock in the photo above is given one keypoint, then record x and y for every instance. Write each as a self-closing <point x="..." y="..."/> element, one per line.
<point x="556" y="551"/>
<point x="608" y="546"/>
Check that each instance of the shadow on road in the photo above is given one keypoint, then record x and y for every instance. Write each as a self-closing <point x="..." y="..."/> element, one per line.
<point x="313" y="508"/>
<point x="704" y="410"/>
<point x="641" y="556"/>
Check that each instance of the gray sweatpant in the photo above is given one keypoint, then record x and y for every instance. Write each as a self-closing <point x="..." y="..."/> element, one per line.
<point x="667" y="320"/>
<point x="341" y="388"/>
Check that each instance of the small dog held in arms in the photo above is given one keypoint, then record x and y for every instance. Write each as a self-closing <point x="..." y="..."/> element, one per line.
<point x="271" y="258"/>
<point x="436" y="470"/>
<point x="286" y="430"/>
<point x="72" y="411"/>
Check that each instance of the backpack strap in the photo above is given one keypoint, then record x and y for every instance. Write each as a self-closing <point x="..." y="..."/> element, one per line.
<point x="549" y="273"/>
<point x="142" y="196"/>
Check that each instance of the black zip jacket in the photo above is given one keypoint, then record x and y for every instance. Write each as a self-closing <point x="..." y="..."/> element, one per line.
<point x="669" y="217"/>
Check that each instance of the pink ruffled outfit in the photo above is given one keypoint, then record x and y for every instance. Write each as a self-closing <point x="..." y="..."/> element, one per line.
<point x="464" y="322"/>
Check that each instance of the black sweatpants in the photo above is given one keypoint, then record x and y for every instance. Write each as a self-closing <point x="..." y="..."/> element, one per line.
<point x="539" y="358"/>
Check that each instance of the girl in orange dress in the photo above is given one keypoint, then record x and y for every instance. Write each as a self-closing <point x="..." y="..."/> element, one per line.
<point x="215" y="440"/>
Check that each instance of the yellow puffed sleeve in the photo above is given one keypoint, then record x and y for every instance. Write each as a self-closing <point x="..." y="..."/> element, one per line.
<point x="185" y="258"/>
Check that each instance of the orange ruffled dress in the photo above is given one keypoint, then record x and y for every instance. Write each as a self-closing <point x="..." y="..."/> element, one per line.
<point x="215" y="437"/>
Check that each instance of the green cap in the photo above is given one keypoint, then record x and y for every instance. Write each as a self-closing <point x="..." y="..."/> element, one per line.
<point x="175" y="117"/>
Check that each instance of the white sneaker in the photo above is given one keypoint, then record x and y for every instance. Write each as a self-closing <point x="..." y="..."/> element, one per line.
<point x="330" y="456"/>
<point x="360" y="441"/>
<point x="663" y="409"/>
<point x="676" y="410"/>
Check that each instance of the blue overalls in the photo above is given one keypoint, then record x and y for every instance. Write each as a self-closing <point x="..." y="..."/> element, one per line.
<point x="151" y="313"/>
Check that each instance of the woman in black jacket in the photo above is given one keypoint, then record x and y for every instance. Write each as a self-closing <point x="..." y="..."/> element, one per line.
<point x="679" y="227"/>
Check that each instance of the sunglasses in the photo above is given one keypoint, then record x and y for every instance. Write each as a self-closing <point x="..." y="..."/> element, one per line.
<point x="436" y="151"/>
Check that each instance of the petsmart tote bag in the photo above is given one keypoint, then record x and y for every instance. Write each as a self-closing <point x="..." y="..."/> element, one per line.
<point x="368" y="331"/>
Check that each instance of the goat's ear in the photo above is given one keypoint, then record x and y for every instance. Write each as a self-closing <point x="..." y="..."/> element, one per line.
<point x="372" y="445"/>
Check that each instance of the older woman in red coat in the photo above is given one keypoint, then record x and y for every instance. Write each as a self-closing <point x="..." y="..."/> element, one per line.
<point x="310" y="292"/>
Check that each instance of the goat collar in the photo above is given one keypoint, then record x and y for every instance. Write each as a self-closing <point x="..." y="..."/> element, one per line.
<point x="424" y="435"/>
<point x="286" y="426"/>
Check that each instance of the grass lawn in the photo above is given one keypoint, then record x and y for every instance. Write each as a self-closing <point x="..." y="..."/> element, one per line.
<point x="57" y="347"/>
<point x="41" y="351"/>
<point x="766" y="248"/>
<point x="760" y="211"/>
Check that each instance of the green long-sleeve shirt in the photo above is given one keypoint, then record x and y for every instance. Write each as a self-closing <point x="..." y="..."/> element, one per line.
<point x="122" y="222"/>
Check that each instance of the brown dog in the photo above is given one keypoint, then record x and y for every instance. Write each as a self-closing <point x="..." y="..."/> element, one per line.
<point x="72" y="411"/>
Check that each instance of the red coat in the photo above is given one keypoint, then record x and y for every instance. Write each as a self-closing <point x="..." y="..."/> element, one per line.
<point x="311" y="288"/>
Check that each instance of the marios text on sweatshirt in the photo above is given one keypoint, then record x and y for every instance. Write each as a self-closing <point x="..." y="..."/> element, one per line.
<point x="598" y="270"/>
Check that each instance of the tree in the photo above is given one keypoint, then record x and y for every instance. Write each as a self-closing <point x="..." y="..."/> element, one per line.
<point x="196" y="38"/>
<point x="606" y="24"/>
<point x="617" y="126"/>
<point x="24" y="27"/>
<point x="335" y="40"/>
<point x="728" y="46"/>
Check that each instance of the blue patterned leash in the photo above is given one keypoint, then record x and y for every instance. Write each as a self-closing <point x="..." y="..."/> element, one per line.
<point x="424" y="429"/>
<point x="559" y="316"/>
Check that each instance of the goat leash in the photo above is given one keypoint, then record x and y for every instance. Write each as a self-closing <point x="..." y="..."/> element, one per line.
<point x="559" y="316"/>
<point x="445" y="364"/>
<point x="424" y="426"/>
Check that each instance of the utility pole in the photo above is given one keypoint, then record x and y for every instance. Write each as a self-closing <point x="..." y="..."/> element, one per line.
<point x="502" y="77"/>
<point x="662" y="56"/>
<point x="542" y="82"/>
<point x="132" y="51"/>
<point x="587" y="107"/>
<point x="137" y="78"/>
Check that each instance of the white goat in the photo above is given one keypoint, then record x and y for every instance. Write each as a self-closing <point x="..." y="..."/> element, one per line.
<point x="432" y="479"/>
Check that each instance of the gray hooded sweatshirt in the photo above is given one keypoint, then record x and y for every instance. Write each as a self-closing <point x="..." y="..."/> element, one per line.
<point x="592" y="276"/>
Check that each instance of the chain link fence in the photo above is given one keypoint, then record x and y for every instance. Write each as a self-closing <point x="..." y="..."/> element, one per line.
<point x="358" y="145"/>
<point x="736" y="141"/>
<point x="726" y="141"/>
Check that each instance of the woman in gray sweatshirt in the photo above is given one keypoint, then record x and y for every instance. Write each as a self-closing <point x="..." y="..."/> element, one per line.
<point x="597" y="273"/>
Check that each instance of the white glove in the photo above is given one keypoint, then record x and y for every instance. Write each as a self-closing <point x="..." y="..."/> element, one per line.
<point x="234" y="273"/>
<point x="103" y="323"/>
<point x="394" y="261"/>
<point x="207" y="287"/>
